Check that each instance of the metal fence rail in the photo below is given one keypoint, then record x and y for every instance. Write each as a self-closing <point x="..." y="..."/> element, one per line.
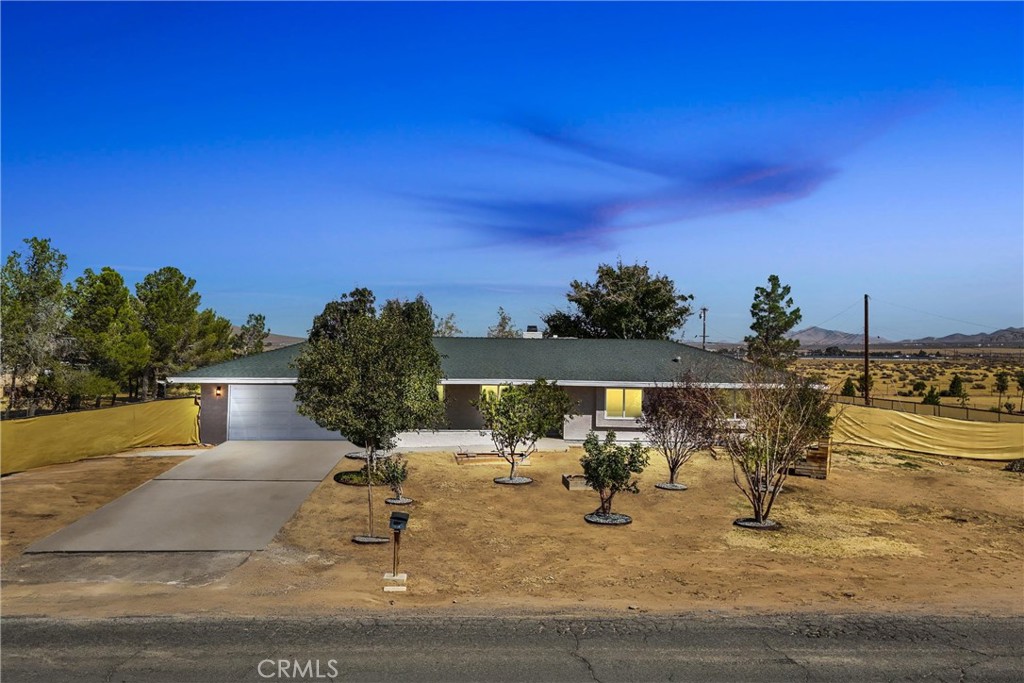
<point x="955" y="412"/>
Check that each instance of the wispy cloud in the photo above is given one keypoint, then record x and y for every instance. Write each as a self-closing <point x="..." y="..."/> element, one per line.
<point x="666" y="187"/>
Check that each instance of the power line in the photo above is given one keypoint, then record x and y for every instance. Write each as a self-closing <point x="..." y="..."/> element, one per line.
<point x="936" y="315"/>
<point x="855" y="303"/>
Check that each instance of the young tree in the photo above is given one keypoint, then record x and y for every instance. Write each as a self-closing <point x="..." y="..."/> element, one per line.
<point x="518" y="415"/>
<point x="609" y="468"/>
<point x="956" y="385"/>
<point x="958" y="391"/>
<point x="625" y="302"/>
<point x="504" y="328"/>
<point x="251" y="336"/>
<point x="849" y="388"/>
<point x="774" y="316"/>
<point x="784" y="415"/>
<point x="1020" y="388"/>
<point x="864" y="384"/>
<point x="33" y="298"/>
<point x="680" y="421"/>
<point x="393" y="473"/>
<point x="1002" y="385"/>
<point x="931" y="398"/>
<point x="106" y="328"/>
<point x="446" y="326"/>
<point x="370" y="375"/>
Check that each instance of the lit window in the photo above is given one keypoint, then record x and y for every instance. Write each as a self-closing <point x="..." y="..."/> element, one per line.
<point x="623" y="403"/>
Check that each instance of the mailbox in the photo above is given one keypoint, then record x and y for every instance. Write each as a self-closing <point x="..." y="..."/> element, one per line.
<point x="399" y="520"/>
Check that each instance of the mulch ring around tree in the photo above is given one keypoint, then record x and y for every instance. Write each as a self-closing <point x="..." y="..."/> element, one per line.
<point x="513" y="481"/>
<point x="357" y="478"/>
<point x="751" y="523"/>
<point x="361" y="455"/>
<point x="610" y="519"/>
<point x="398" y="501"/>
<point x="665" y="486"/>
<point x="369" y="540"/>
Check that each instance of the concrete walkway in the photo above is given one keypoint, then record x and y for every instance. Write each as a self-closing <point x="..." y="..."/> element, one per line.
<point x="233" y="497"/>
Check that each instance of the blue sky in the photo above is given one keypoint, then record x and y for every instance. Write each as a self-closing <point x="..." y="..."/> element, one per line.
<point x="488" y="154"/>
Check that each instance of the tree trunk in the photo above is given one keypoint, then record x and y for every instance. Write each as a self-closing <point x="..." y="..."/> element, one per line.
<point x="30" y="403"/>
<point x="756" y="495"/>
<point x="113" y="400"/>
<point x="144" y="389"/>
<point x="371" y="456"/>
<point x="10" y="396"/>
<point x="512" y="472"/>
<point x="672" y="469"/>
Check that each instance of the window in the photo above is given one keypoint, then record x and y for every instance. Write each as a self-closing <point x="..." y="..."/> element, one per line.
<point x="440" y="393"/>
<point x="623" y="403"/>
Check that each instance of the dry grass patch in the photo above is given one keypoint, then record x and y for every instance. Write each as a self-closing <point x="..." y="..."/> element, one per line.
<point x="844" y="531"/>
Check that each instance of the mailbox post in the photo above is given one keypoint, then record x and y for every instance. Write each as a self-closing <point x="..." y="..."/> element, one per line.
<point x="399" y="520"/>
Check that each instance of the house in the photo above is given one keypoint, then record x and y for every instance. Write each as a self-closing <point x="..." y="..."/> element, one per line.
<point x="253" y="397"/>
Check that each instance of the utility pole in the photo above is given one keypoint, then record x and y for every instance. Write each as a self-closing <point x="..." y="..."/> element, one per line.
<point x="867" y="377"/>
<point x="704" y="328"/>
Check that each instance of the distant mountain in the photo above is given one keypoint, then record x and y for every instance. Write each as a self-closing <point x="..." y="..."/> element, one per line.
<point x="817" y="337"/>
<point x="274" y="341"/>
<point x="1010" y="336"/>
<point x="820" y="337"/>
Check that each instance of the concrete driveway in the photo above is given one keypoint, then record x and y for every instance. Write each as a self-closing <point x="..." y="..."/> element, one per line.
<point x="233" y="497"/>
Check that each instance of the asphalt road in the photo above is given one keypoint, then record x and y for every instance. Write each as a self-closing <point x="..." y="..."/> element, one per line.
<point x="701" y="648"/>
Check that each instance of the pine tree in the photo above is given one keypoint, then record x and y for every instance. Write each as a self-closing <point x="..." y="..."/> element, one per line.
<point x="774" y="316"/>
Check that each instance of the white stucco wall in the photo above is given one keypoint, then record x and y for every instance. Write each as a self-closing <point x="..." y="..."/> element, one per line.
<point x="576" y="428"/>
<point x="470" y="439"/>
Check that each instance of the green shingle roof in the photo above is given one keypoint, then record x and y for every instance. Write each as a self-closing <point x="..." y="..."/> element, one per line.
<point x="480" y="358"/>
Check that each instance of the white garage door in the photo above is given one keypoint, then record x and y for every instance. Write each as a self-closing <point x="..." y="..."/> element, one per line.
<point x="266" y="412"/>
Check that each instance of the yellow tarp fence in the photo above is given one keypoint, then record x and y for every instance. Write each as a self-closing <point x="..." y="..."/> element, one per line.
<point x="52" y="439"/>
<point x="925" y="434"/>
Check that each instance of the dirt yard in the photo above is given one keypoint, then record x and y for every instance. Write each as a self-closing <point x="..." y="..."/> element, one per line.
<point x="886" y="532"/>
<point x="40" y="502"/>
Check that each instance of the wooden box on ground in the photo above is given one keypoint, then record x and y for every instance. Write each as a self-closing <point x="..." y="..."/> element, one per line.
<point x="575" y="482"/>
<point x="816" y="462"/>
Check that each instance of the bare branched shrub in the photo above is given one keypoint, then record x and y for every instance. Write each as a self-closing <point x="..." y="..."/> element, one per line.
<point x="680" y="420"/>
<point x="784" y="415"/>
